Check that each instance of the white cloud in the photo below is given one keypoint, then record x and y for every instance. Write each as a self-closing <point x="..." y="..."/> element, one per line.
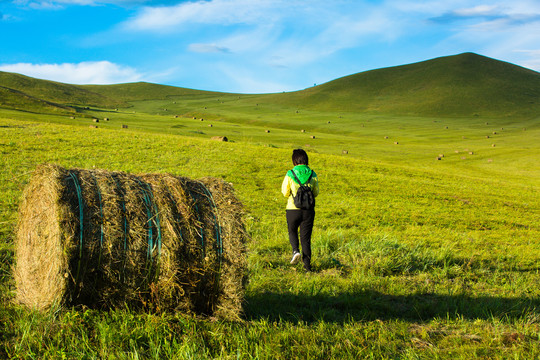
<point x="208" y="48"/>
<point x="45" y="4"/>
<point x="532" y="59"/>
<point x="223" y="12"/>
<point x="98" y="72"/>
<point x="480" y="10"/>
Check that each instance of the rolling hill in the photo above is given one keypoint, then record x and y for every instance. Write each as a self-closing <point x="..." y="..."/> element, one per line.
<point x="460" y="85"/>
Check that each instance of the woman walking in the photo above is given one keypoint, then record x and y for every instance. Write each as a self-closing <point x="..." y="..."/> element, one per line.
<point x="300" y="215"/>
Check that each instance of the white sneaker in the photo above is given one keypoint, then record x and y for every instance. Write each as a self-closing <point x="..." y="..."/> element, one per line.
<point x="295" y="258"/>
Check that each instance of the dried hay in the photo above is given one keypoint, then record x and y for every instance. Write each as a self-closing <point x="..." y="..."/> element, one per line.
<point x="153" y="241"/>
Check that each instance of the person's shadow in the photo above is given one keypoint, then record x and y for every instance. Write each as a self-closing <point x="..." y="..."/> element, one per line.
<point x="369" y="305"/>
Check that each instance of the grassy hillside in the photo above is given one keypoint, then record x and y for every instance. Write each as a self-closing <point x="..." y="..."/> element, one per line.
<point x="13" y="99"/>
<point x="462" y="85"/>
<point x="46" y="93"/>
<point x="410" y="262"/>
<point x="414" y="257"/>
<point x="143" y="91"/>
<point x="465" y="85"/>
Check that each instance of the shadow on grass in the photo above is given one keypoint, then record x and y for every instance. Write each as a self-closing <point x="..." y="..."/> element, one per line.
<point x="371" y="305"/>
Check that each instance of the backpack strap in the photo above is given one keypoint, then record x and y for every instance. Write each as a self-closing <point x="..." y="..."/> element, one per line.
<point x="298" y="180"/>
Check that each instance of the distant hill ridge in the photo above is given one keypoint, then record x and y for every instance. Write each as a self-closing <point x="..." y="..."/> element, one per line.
<point x="460" y="85"/>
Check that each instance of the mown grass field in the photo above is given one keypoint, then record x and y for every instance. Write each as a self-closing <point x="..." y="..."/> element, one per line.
<point x="414" y="257"/>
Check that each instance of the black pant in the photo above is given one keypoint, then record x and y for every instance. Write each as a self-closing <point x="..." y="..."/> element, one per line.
<point x="304" y="220"/>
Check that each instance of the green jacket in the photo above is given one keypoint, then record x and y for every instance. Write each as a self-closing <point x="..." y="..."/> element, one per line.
<point x="289" y="187"/>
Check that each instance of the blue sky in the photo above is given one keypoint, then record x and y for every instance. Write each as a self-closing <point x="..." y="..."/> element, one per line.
<point x="254" y="46"/>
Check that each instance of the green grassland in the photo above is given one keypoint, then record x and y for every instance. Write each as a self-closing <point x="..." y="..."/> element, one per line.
<point x="414" y="257"/>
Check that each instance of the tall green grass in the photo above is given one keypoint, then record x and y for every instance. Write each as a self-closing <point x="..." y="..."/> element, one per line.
<point x="413" y="257"/>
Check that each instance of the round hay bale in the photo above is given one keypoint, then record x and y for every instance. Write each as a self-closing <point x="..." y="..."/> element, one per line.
<point x="219" y="138"/>
<point x="109" y="239"/>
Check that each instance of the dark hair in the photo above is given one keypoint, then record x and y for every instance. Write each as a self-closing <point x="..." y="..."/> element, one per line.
<point x="299" y="157"/>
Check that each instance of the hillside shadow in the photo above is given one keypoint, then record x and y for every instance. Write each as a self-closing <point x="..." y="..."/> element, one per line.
<point x="371" y="305"/>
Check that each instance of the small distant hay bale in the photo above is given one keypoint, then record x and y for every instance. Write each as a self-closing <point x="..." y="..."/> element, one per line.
<point x="106" y="119"/>
<point x="124" y="126"/>
<point x="202" y="119"/>
<point x="312" y="137"/>
<point x="72" y="117"/>
<point x="441" y="155"/>
<point x="439" y="158"/>
<point x="463" y="158"/>
<point x="345" y="152"/>
<point x="93" y="126"/>
<point x="95" y="120"/>
<point x="493" y="145"/>
<point x="219" y="138"/>
<point x="176" y="116"/>
<point x="456" y="151"/>
<point x="487" y="136"/>
<point x="494" y="133"/>
<point x="328" y="122"/>
<point x="194" y="118"/>
<point x="471" y="152"/>
<point x="489" y="160"/>
<point x="266" y="131"/>
<point x="396" y="142"/>
<point x="386" y="137"/>
<point x="210" y="125"/>
<point x="303" y="130"/>
<point x="446" y="127"/>
<point x="154" y="242"/>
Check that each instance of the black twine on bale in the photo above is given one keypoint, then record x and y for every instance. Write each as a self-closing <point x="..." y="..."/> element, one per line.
<point x="81" y="225"/>
<point x="198" y="221"/>
<point x="150" y="205"/>
<point x="101" y="217"/>
<point x="217" y="226"/>
<point x="124" y="228"/>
